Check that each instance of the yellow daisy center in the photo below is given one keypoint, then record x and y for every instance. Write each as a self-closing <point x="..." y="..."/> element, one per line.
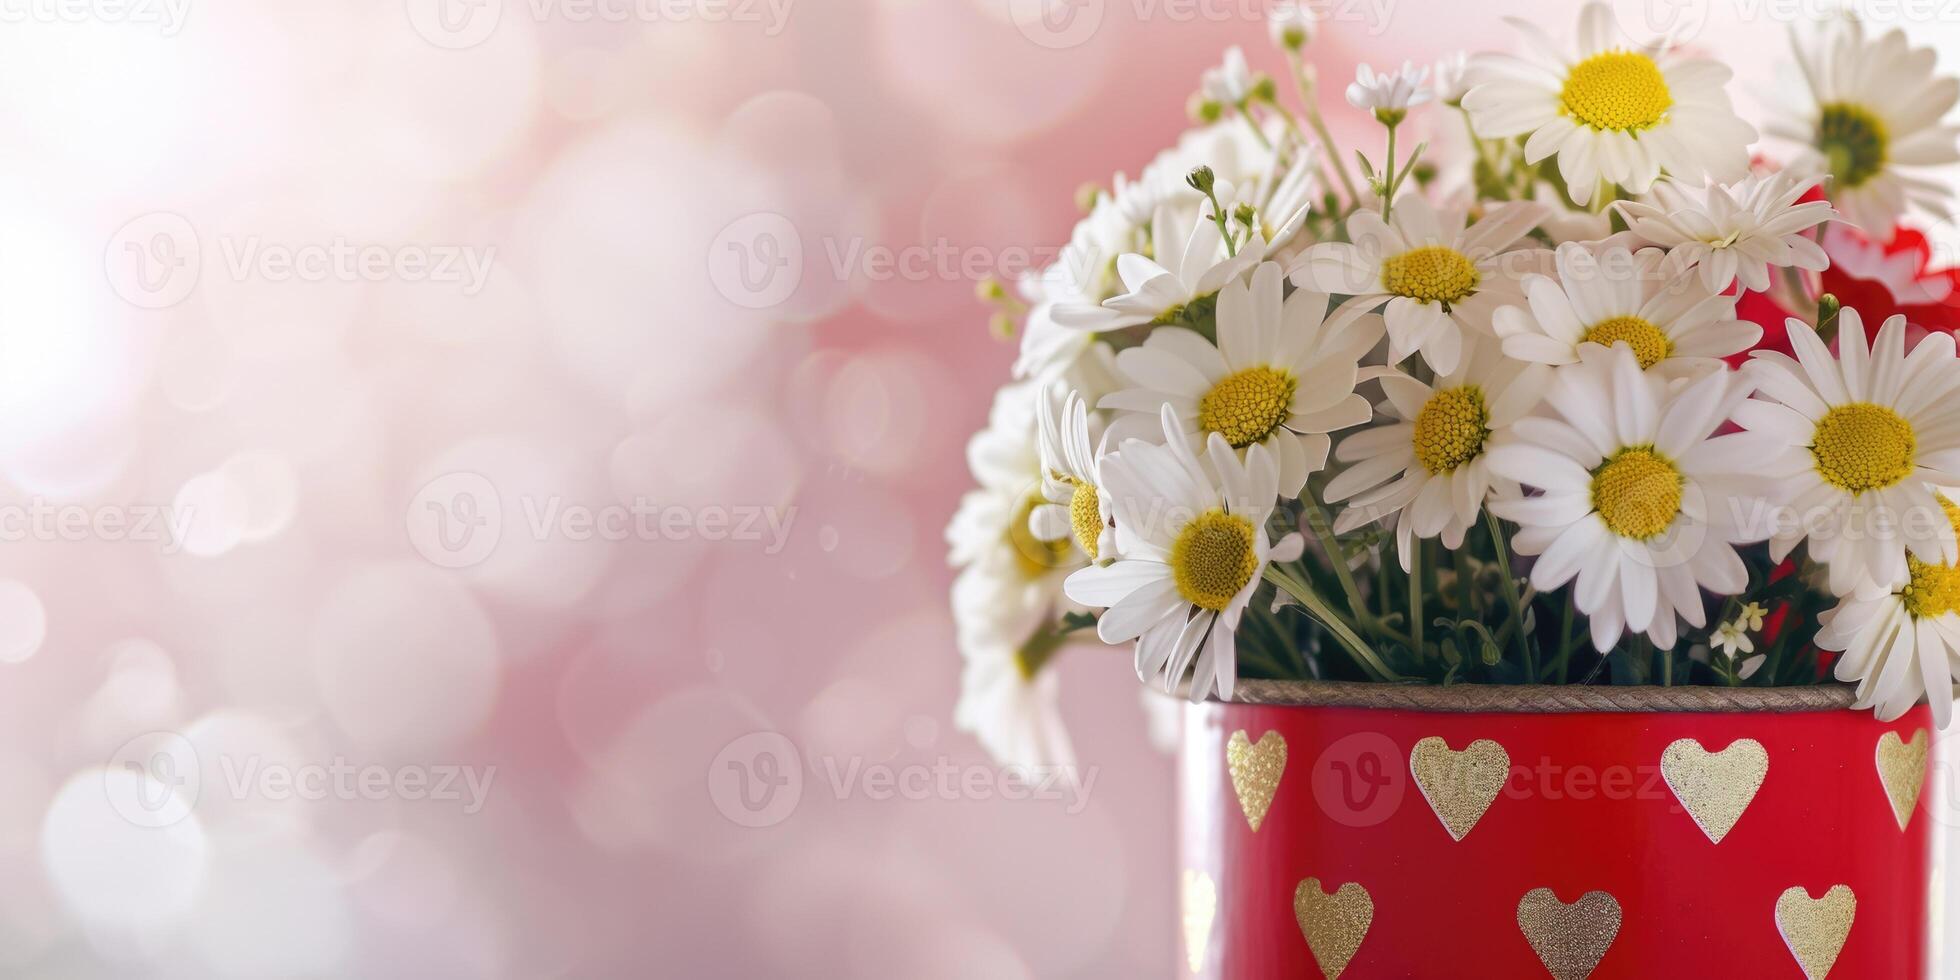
<point x="1934" y="589"/>
<point x="1637" y="492"/>
<point x="1861" y="446"/>
<point x="1616" y="90"/>
<point x="1853" y="139"/>
<point x="1649" y="344"/>
<point x="1451" y="429"/>
<point x="1035" y="556"/>
<point x="1213" y="558"/>
<point x="1085" y="515"/>
<point x="1432" y="274"/>
<point x="1247" y="406"/>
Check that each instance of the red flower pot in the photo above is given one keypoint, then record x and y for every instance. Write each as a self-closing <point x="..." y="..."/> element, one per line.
<point x="1364" y="831"/>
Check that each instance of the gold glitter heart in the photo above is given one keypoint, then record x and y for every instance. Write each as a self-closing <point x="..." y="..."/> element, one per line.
<point x="1715" y="787"/>
<point x="1569" y="939"/>
<point x="1255" y="772"/>
<point x="1815" y="928"/>
<point x="1460" y="786"/>
<point x="1334" y="924"/>
<point x="1200" y="908"/>
<point x="1902" y="768"/>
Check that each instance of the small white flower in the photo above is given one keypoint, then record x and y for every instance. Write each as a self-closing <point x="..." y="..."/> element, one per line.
<point x="1733" y="232"/>
<point x="1281" y="376"/>
<point x="1609" y="112"/>
<point x="1291" y="24"/>
<point x="1193" y="544"/>
<point x="1873" y="119"/>
<point x="1191" y="262"/>
<point x="1731" y="639"/>
<point x="1428" y="470"/>
<point x="1230" y="83"/>
<point x="1639" y="499"/>
<point x="1452" y="77"/>
<point x="1852" y="446"/>
<point x="1607" y="294"/>
<point x="1391" y="91"/>
<point x="1436" y="277"/>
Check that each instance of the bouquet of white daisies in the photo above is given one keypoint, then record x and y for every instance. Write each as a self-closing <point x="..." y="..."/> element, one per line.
<point x="1563" y="403"/>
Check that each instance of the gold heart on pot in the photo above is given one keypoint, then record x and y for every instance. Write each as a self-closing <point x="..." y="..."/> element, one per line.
<point x="1715" y="787"/>
<point x="1569" y="939"/>
<point x="1459" y="786"/>
<point x="1256" y="769"/>
<point x="1334" y="924"/>
<point x="1815" y="928"/>
<point x="1902" y="768"/>
<point x="1200" y="899"/>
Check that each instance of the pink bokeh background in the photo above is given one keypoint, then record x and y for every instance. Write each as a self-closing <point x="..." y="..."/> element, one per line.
<point x="181" y="337"/>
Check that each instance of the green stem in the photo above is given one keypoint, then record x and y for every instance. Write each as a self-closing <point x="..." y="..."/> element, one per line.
<point x="1512" y="597"/>
<point x="1327" y="145"/>
<point x="1388" y="176"/>
<point x="1319" y="610"/>
<point x="1415" y="593"/>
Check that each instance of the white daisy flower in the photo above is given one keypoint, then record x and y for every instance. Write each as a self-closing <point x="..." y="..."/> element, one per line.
<point x="1391" y="91"/>
<point x="1075" y="506"/>
<point x="1852" y="445"/>
<point x="1436" y="276"/>
<point x="1193" y="546"/>
<point x="1282" y="376"/>
<point x="1291" y="24"/>
<point x="1735" y="231"/>
<point x="1428" y="469"/>
<point x="1638" y="500"/>
<point x="1605" y="295"/>
<point x="1230" y="83"/>
<point x="1008" y="699"/>
<point x="1452" y="77"/>
<point x="1872" y="120"/>
<point x="1192" y="262"/>
<point x="1009" y="591"/>
<point x="1609" y="112"/>
<point x="1903" y="643"/>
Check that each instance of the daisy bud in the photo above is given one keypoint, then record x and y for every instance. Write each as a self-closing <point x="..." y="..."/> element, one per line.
<point x="1291" y="25"/>
<point x="1201" y="179"/>
<point x="1264" y="89"/>
<point x="1001" y="326"/>
<point x="1203" y="110"/>
<point x="1245" y="215"/>
<point x="1086" y="197"/>
<point x="989" y="290"/>
<point x="1827" y="316"/>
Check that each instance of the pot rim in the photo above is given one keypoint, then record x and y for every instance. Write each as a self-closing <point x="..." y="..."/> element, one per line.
<point x="1543" y="698"/>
